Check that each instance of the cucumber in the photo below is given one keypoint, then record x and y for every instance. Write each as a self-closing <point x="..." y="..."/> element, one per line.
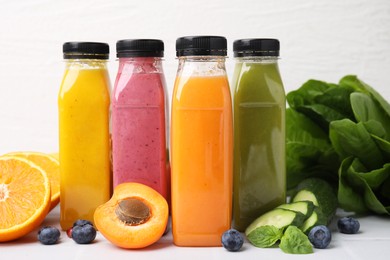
<point x="316" y="218"/>
<point x="278" y="218"/>
<point x="320" y="193"/>
<point x="305" y="207"/>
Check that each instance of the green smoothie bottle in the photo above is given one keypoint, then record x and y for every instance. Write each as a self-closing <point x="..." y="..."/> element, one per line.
<point x="259" y="130"/>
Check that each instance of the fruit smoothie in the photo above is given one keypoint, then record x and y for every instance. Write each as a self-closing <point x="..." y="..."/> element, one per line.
<point x="138" y="124"/>
<point x="259" y="139"/>
<point x="84" y="147"/>
<point x="201" y="143"/>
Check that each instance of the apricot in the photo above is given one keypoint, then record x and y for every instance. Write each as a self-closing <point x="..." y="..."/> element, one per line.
<point x="135" y="217"/>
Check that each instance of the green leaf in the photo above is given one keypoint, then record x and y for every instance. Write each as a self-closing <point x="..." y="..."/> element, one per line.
<point x="365" y="109"/>
<point x="349" y="198"/>
<point x="351" y="139"/>
<point x="322" y="115"/>
<point x="306" y="93"/>
<point x="338" y="98"/>
<point x="375" y="178"/>
<point x="301" y="129"/>
<point x="322" y="102"/>
<point x="304" y="161"/>
<point x="294" y="241"/>
<point x="309" y="152"/>
<point x="354" y="82"/>
<point x="355" y="192"/>
<point x="265" y="236"/>
<point x="375" y="128"/>
<point x="385" y="191"/>
<point x="383" y="145"/>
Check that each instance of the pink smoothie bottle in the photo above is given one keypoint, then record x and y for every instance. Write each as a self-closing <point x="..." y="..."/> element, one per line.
<point x="139" y="116"/>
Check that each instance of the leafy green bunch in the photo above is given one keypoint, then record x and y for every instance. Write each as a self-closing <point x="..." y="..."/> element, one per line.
<point x="341" y="133"/>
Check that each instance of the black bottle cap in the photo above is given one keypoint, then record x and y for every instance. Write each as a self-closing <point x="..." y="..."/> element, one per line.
<point x="256" y="47"/>
<point x="201" y="45"/>
<point x="140" y="48"/>
<point x="86" y="50"/>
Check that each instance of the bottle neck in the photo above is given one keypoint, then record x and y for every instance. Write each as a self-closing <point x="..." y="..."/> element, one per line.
<point x="85" y="64"/>
<point x="201" y="66"/>
<point x="140" y="65"/>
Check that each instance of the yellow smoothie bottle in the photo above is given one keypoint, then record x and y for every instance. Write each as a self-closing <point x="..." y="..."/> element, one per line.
<point x="84" y="144"/>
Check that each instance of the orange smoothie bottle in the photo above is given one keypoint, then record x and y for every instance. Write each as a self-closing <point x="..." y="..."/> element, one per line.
<point x="84" y="144"/>
<point x="201" y="143"/>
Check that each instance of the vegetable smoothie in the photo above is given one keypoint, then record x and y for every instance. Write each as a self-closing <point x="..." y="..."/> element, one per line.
<point x="259" y="140"/>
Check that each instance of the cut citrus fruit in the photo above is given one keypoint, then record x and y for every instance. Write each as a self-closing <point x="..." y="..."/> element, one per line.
<point x="51" y="166"/>
<point x="55" y="155"/>
<point x="24" y="197"/>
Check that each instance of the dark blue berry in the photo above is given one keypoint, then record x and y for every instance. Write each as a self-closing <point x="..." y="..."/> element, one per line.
<point x="232" y="240"/>
<point x="320" y="236"/>
<point x="348" y="225"/>
<point x="82" y="222"/>
<point x="83" y="234"/>
<point x="48" y="235"/>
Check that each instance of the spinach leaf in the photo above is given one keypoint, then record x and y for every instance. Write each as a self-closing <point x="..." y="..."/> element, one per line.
<point x="375" y="128"/>
<point x="385" y="192"/>
<point x="322" y="102"/>
<point x="384" y="145"/>
<point x="349" y="198"/>
<point x="365" y="109"/>
<point x="301" y="129"/>
<point x="354" y="82"/>
<point x="307" y="93"/>
<point x="309" y="152"/>
<point x="355" y="192"/>
<point x="351" y="139"/>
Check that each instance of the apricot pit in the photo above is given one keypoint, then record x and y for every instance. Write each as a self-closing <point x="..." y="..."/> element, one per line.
<point x="132" y="211"/>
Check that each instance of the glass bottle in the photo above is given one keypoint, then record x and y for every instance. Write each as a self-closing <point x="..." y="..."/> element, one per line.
<point x="139" y="115"/>
<point x="259" y="130"/>
<point x="84" y="145"/>
<point x="201" y="143"/>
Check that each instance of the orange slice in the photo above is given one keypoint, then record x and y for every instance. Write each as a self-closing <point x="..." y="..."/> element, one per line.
<point x="55" y="155"/>
<point x="24" y="197"/>
<point x="51" y="166"/>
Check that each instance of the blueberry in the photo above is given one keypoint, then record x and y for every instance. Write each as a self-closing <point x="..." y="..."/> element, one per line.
<point x="83" y="234"/>
<point x="48" y="235"/>
<point x="320" y="236"/>
<point x="232" y="240"/>
<point x="82" y="222"/>
<point x="348" y="225"/>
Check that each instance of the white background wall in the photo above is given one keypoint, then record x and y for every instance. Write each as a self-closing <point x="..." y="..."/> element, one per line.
<point x="320" y="39"/>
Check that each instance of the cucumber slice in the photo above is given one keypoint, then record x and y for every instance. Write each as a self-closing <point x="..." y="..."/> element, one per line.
<point x="315" y="219"/>
<point x="320" y="193"/>
<point x="305" y="207"/>
<point x="278" y="218"/>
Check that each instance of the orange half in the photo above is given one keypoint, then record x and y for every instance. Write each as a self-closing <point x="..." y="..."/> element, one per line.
<point x="51" y="166"/>
<point x="24" y="197"/>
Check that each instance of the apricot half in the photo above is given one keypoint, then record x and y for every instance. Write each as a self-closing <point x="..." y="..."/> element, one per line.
<point x="135" y="217"/>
